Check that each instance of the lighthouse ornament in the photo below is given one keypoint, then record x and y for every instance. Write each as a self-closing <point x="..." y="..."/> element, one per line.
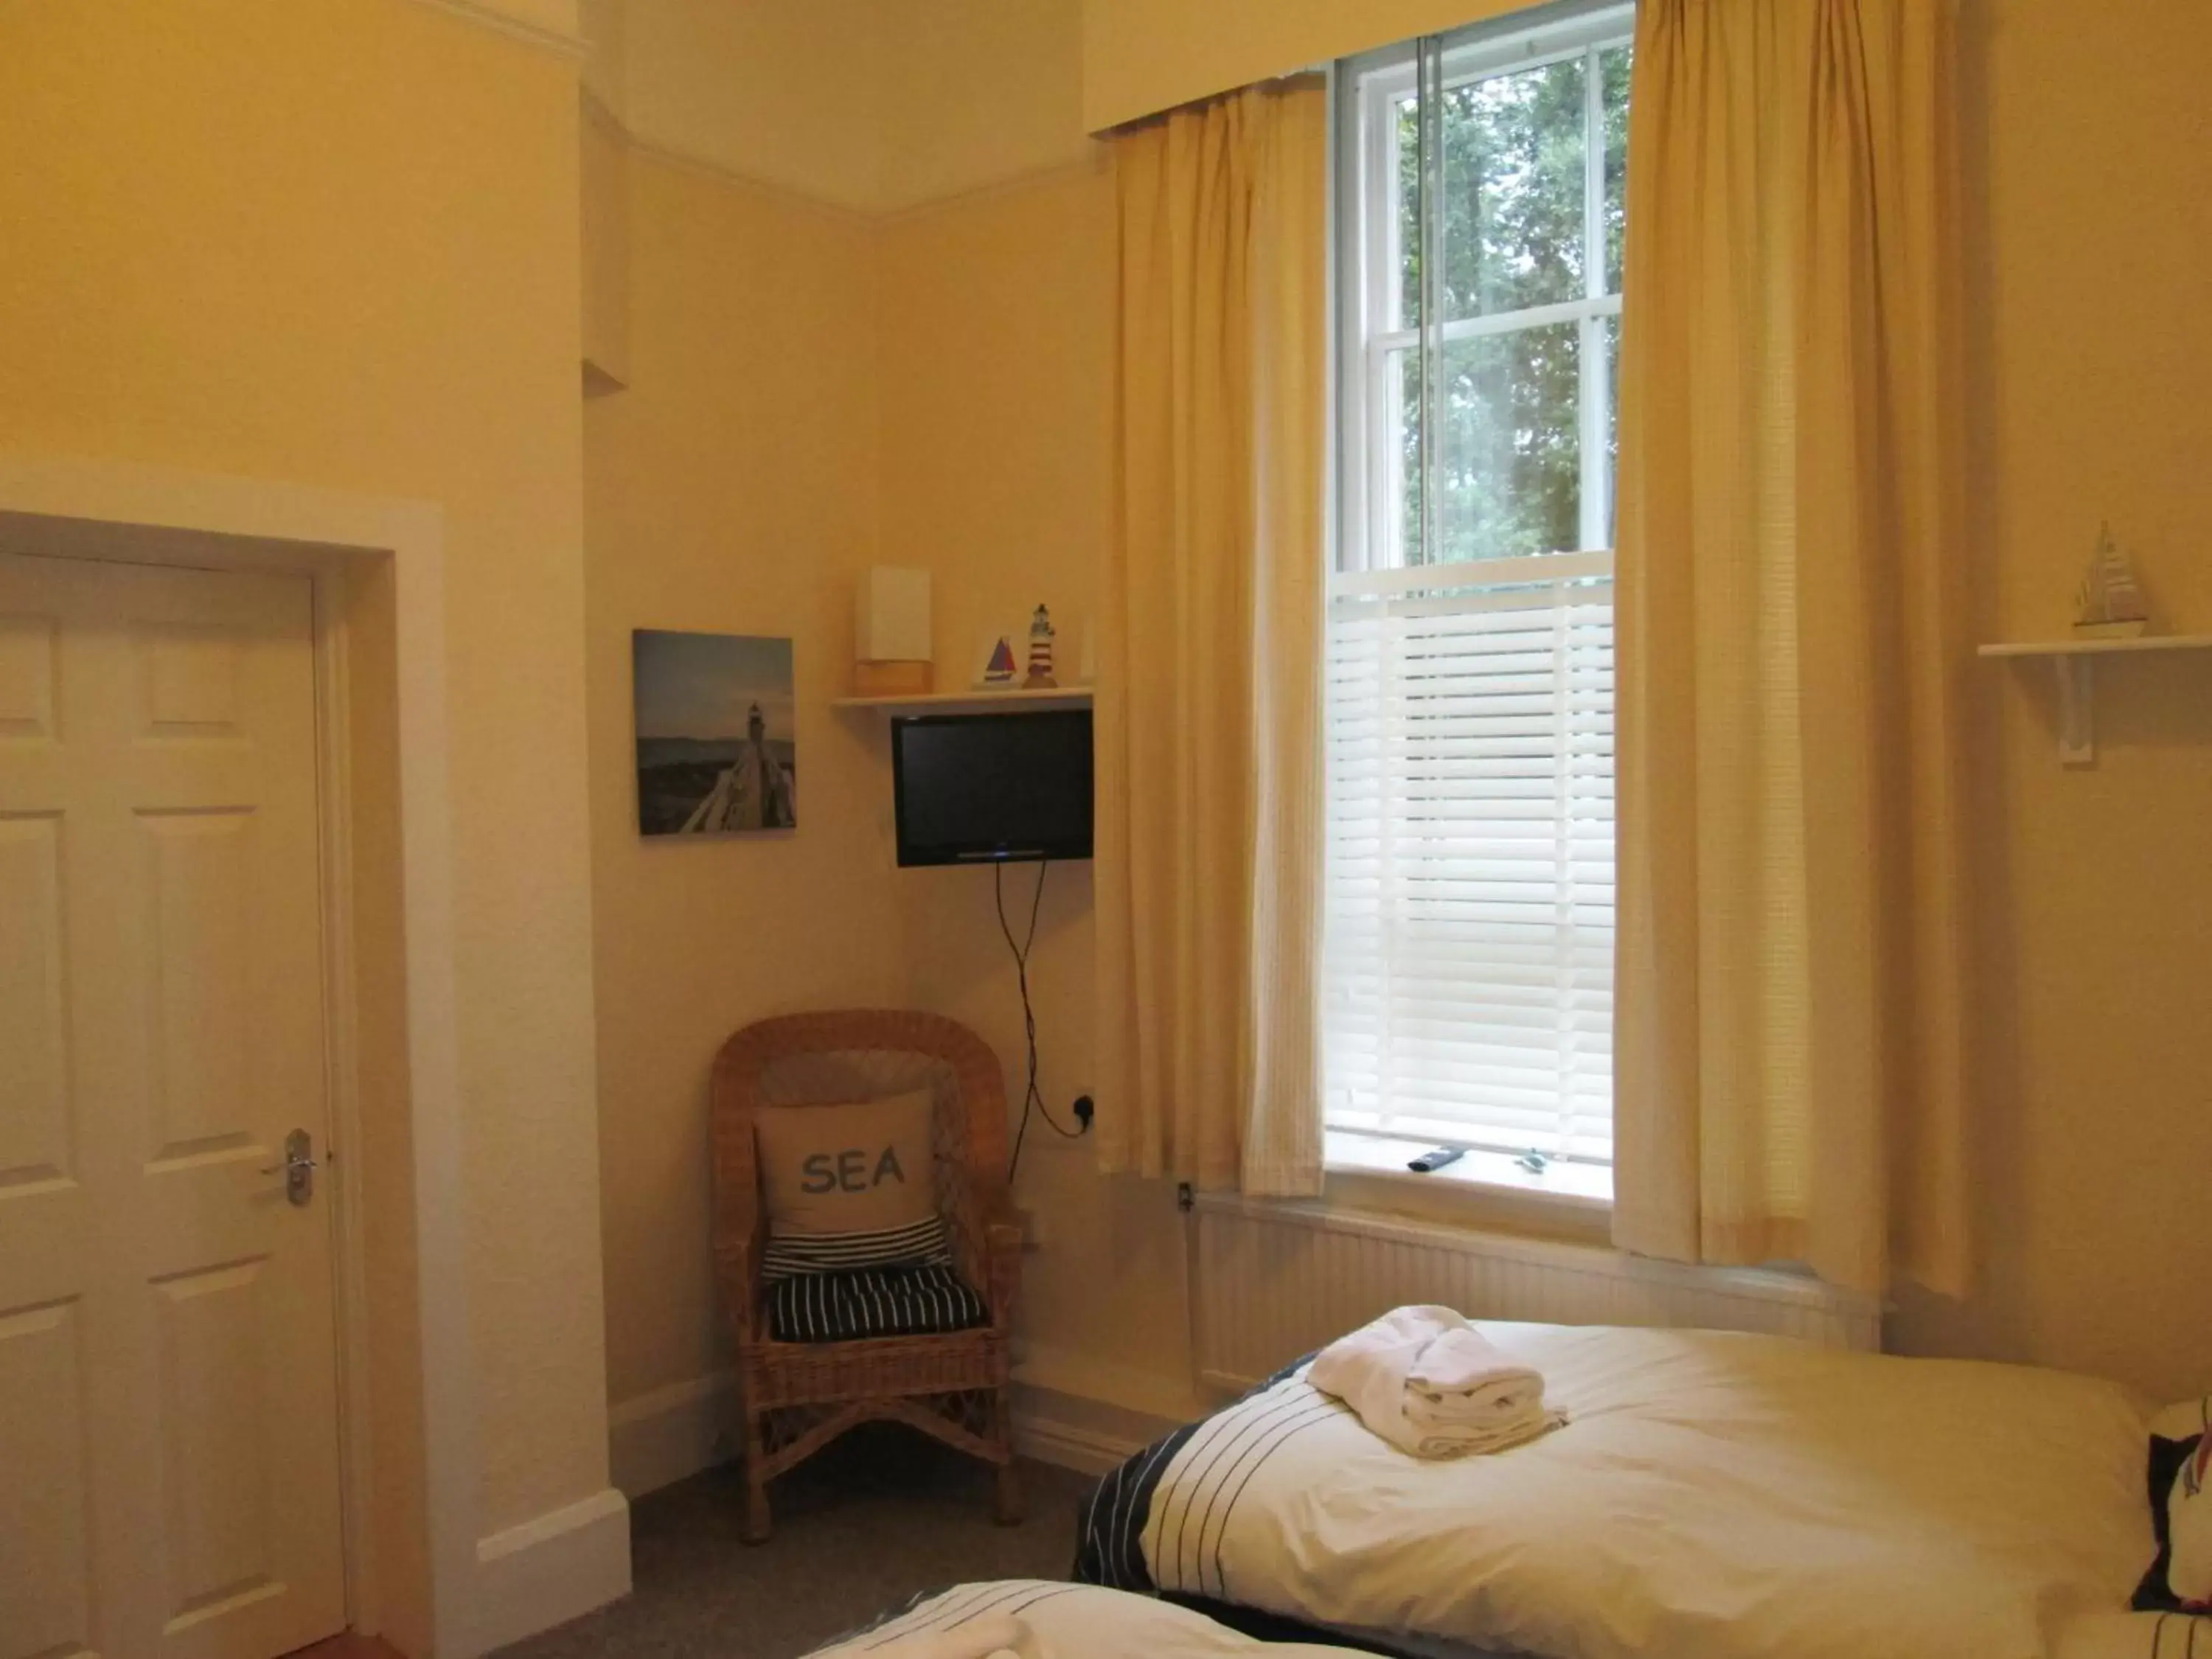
<point x="1041" y="637"/>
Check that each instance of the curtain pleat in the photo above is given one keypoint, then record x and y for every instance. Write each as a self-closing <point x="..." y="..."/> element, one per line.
<point x="1208" y="866"/>
<point x="1789" y="1082"/>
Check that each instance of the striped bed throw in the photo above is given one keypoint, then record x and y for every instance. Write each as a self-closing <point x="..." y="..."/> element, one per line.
<point x="912" y="1300"/>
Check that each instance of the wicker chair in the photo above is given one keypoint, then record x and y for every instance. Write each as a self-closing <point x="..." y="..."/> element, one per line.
<point x="799" y="1396"/>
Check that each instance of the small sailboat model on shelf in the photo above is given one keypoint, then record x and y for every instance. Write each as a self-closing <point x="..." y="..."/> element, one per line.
<point x="2110" y="605"/>
<point x="1000" y="670"/>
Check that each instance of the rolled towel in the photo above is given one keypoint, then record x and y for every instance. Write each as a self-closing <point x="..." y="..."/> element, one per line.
<point x="1427" y="1381"/>
<point x="1461" y="1376"/>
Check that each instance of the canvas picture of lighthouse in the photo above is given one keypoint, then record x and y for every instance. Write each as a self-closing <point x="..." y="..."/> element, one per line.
<point x="717" y="749"/>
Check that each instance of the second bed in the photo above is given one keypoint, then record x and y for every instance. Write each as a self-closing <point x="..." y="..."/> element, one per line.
<point x="1713" y="1496"/>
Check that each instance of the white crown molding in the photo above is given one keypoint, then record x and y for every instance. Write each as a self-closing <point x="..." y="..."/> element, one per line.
<point x="550" y="25"/>
<point x="685" y="160"/>
<point x="597" y="112"/>
<point x="600" y="114"/>
<point x="1013" y="184"/>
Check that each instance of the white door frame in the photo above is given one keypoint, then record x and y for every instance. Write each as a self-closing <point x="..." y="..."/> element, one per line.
<point x="153" y="515"/>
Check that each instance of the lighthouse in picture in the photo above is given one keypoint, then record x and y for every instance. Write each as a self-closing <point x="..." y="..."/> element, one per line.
<point x="1040" y="676"/>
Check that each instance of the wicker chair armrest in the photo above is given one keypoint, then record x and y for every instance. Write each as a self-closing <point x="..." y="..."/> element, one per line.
<point x="1000" y="1272"/>
<point x="742" y="1288"/>
<point x="1003" y="1226"/>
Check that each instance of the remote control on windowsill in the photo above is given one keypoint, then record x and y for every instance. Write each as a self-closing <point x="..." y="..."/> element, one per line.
<point x="1429" y="1163"/>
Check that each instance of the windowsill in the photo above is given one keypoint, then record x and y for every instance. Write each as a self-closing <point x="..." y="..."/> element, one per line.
<point x="1478" y="1189"/>
<point x="1588" y="1184"/>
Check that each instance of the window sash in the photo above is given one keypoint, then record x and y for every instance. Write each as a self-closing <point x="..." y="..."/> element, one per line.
<point x="1370" y="257"/>
<point x="1468" y="960"/>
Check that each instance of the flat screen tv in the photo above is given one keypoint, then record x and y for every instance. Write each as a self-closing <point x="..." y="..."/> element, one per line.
<point x="992" y="788"/>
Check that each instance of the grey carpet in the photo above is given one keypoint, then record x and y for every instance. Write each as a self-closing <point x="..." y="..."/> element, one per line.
<point x="878" y="1516"/>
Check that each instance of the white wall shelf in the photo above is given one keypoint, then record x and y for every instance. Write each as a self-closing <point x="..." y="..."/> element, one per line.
<point x="1012" y="701"/>
<point x="2073" y="661"/>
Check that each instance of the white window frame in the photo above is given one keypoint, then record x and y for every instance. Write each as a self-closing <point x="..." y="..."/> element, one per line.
<point x="1371" y="486"/>
<point x="1374" y="332"/>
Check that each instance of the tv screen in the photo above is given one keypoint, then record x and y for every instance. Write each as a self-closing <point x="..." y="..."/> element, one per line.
<point x="992" y="788"/>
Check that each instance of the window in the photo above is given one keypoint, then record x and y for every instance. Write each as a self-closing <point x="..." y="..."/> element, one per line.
<point x="1468" y="963"/>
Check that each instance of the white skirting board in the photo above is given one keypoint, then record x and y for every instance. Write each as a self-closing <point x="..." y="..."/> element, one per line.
<point x="550" y="1569"/>
<point x="1083" y="1432"/>
<point x="656" y="1439"/>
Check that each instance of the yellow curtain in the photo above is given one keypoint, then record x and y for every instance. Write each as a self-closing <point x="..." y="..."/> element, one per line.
<point x="1209" y="745"/>
<point x="1789" y="1082"/>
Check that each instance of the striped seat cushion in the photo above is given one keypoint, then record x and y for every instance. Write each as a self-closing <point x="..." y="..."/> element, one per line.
<point x="920" y="1244"/>
<point x="848" y="1307"/>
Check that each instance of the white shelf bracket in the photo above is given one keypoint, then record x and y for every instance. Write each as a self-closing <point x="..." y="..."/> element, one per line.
<point x="2072" y="660"/>
<point x="2078" y="743"/>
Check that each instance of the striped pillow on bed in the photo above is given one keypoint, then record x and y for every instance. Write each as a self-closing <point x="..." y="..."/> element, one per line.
<point x="921" y="1243"/>
<point x="2180" y="1579"/>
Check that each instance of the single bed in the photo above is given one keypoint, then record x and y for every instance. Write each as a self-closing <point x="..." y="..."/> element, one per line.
<point x="1713" y="1496"/>
<point x="1056" y="1621"/>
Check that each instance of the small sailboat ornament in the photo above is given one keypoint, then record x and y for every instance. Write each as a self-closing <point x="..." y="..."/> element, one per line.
<point x="2110" y="605"/>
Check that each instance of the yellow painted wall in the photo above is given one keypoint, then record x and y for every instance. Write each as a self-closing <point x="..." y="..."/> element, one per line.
<point x="732" y="489"/>
<point x="871" y="105"/>
<point x="980" y="339"/>
<point x="336" y="245"/>
<point x="998" y="316"/>
<point x="978" y="92"/>
<point x="2090" y="193"/>
<point x="231" y="247"/>
<point x="604" y="26"/>
<point x="813" y="390"/>
<point x="603" y="235"/>
<point x="783" y="93"/>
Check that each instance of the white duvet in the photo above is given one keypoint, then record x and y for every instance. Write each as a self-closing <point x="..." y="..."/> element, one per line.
<point x="1038" y="1619"/>
<point x="1713" y="1496"/>
<point x="2137" y="1636"/>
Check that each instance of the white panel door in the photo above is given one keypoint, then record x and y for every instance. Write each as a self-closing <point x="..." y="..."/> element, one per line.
<point x="168" y="1398"/>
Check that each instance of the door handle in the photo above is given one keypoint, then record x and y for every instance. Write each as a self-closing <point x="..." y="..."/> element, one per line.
<point x="298" y="1168"/>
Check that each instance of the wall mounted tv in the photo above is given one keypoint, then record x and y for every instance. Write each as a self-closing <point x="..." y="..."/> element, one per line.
<point x="992" y="788"/>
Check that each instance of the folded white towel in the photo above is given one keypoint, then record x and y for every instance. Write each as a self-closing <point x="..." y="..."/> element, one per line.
<point x="1431" y="1384"/>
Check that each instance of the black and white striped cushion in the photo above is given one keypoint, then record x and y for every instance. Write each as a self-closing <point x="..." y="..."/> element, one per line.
<point x="2180" y="1579"/>
<point x="921" y="1244"/>
<point x="849" y="1307"/>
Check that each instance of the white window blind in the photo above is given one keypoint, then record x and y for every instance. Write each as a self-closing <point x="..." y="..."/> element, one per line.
<point x="1470" y="961"/>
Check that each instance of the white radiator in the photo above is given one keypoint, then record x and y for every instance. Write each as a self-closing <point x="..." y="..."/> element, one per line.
<point x="1276" y="1279"/>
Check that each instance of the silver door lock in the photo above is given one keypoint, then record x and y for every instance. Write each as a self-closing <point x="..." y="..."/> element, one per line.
<point x="298" y="1168"/>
